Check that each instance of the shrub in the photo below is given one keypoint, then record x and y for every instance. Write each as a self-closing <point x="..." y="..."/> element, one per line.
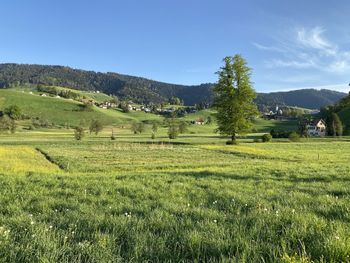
<point x="113" y="136"/>
<point x="14" y="112"/>
<point x="182" y="127"/>
<point x="294" y="137"/>
<point x="279" y="134"/>
<point x="95" y="126"/>
<point x="79" y="133"/>
<point x="266" y="137"/>
<point x="230" y="142"/>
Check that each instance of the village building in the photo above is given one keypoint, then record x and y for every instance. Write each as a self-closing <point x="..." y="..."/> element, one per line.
<point x="316" y="127"/>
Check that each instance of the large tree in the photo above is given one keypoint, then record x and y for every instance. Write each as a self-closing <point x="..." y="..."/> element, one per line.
<point x="234" y="95"/>
<point x="337" y="126"/>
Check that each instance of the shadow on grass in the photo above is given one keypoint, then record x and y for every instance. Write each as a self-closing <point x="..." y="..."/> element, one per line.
<point x="272" y="177"/>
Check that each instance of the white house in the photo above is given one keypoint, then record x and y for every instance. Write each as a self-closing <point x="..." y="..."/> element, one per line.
<point x="316" y="128"/>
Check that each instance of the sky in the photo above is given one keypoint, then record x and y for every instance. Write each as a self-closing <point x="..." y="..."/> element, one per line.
<point x="288" y="44"/>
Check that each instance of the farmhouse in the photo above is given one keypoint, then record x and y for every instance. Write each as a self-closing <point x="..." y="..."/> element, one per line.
<point x="316" y="128"/>
<point x="199" y="122"/>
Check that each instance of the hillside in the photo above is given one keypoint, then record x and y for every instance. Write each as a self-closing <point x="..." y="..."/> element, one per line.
<point x="66" y="112"/>
<point x="145" y="91"/>
<point x="140" y="90"/>
<point x="305" y="98"/>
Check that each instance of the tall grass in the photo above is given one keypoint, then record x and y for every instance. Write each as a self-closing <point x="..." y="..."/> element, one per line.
<point x="117" y="202"/>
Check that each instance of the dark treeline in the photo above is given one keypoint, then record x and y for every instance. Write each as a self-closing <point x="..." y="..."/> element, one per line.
<point x="138" y="89"/>
<point x="305" y="98"/>
<point x="147" y="91"/>
<point x="337" y="117"/>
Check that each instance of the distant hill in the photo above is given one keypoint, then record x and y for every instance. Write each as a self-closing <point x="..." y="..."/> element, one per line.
<point x="126" y="87"/>
<point x="305" y="98"/>
<point x="142" y="90"/>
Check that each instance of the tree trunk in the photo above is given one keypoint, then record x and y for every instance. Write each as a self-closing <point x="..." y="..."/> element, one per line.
<point x="233" y="137"/>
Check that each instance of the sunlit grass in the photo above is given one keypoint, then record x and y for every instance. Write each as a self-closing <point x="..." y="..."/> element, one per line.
<point x="21" y="159"/>
<point x="119" y="201"/>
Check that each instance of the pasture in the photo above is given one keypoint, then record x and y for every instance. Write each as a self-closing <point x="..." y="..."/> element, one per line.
<point x="133" y="200"/>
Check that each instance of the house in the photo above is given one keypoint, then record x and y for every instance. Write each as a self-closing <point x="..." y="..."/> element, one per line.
<point x="316" y="127"/>
<point x="199" y="122"/>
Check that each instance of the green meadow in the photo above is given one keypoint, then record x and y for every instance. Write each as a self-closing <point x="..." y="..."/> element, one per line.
<point x="191" y="199"/>
<point x="138" y="200"/>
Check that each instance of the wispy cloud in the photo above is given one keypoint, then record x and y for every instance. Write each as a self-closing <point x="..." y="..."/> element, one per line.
<point x="309" y="49"/>
<point x="262" y="47"/>
<point x="290" y="63"/>
<point x="314" y="39"/>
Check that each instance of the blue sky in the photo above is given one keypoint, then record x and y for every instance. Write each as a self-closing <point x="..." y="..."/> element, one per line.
<point x="289" y="44"/>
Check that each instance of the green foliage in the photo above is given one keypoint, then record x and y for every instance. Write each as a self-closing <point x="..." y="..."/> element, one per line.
<point x="64" y="93"/>
<point x="209" y="120"/>
<point x="154" y="127"/>
<point x="113" y="136"/>
<point x="175" y="101"/>
<point x="266" y="137"/>
<point x="95" y="126"/>
<point x="5" y="123"/>
<point x="79" y="133"/>
<point x="40" y="122"/>
<point x="294" y="137"/>
<point x="183" y="127"/>
<point x="138" y="127"/>
<point x="173" y="126"/>
<point x="14" y="112"/>
<point x="234" y="96"/>
<point x="140" y="90"/>
<point x="280" y="134"/>
<point x="336" y="125"/>
<point x="305" y="98"/>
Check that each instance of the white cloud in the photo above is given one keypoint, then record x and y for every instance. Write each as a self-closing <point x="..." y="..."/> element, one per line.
<point x="262" y="47"/>
<point x="291" y="63"/>
<point x="309" y="49"/>
<point x="314" y="39"/>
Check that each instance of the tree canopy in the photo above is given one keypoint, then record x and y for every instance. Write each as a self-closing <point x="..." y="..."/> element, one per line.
<point x="234" y="95"/>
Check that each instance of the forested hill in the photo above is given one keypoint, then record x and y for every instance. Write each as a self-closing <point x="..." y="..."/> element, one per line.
<point x="143" y="90"/>
<point x="126" y="87"/>
<point x="304" y="98"/>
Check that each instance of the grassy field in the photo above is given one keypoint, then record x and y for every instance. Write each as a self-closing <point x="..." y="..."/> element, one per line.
<point x="132" y="200"/>
<point x="63" y="112"/>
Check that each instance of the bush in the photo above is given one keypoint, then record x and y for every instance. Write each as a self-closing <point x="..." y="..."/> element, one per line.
<point x="230" y="142"/>
<point x="113" y="136"/>
<point x="95" y="126"/>
<point x="14" y="112"/>
<point x="279" y="134"/>
<point x="79" y="133"/>
<point x="266" y="137"/>
<point x="294" y="137"/>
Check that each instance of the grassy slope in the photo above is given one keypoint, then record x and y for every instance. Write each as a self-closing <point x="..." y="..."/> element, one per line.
<point x="62" y="111"/>
<point x="115" y="202"/>
<point x="65" y="112"/>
